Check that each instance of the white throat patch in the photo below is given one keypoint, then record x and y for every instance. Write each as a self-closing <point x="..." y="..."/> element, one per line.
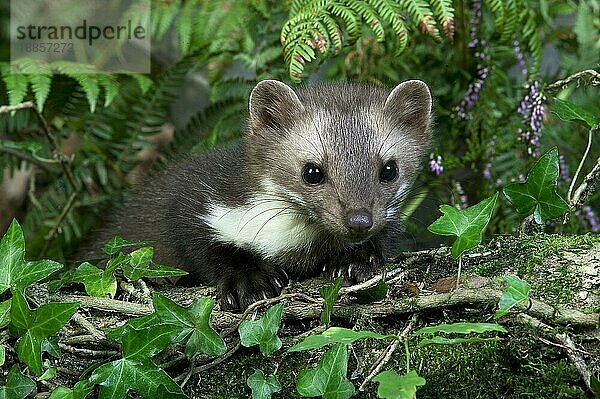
<point x="268" y="223"/>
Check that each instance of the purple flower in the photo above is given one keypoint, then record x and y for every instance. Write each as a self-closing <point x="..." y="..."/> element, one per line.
<point x="436" y="165"/>
<point x="472" y="94"/>
<point x="475" y="18"/>
<point x="591" y="218"/>
<point x="564" y="173"/>
<point x="487" y="172"/>
<point x="520" y="58"/>
<point x="463" y="201"/>
<point x="532" y="113"/>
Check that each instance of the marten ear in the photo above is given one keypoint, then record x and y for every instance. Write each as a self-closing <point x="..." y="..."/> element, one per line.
<point x="408" y="107"/>
<point x="273" y="104"/>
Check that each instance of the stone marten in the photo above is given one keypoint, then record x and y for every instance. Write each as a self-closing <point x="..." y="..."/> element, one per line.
<point x="313" y="187"/>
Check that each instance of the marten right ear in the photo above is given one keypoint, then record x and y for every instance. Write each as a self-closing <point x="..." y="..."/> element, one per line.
<point x="273" y="104"/>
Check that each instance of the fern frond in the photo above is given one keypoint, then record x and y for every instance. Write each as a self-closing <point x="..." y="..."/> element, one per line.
<point x="16" y="86"/>
<point x="422" y="15"/>
<point x="163" y="17"/>
<point x="445" y="14"/>
<point x="369" y="15"/>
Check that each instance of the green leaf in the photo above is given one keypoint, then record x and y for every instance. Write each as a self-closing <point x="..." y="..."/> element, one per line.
<point x="263" y="388"/>
<point x="117" y="243"/>
<point x="517" y="292"/>
<point x="18" y="386"/>
<point x="194" y="324"/>
<point x="372" y="294"/>
<point x="328" y="379"/>
<point x="49" y="374"/>
<point x="330" y="292"/>
<point x="5" y="313"/>
<point x="135" y="371"/>
<point x="97" y="282"/>
<point x="263" y="332"/>
<point x="37" y="326"/>
<point x="460" y="328"/>
<point x="16" y="86"/>
<point x="334" y="335"/>
<point x="538" y="193"/>
<point x="395" y="386"/>
<point x="453" y="341"/>
<point x="80" y="391"/>
<point x="117" y="378"/>
<point x="141" y="265"/>
<point x="466" y="224"/>
<point x="31" y="147"/>
<point x="595" y="385"/>
<point x="2" y="355"/>
<point x="567" y="111"/>
<point x="15" y="272"/>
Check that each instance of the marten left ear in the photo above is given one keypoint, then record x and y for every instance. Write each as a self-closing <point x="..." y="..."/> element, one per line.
<point x="273" y="104"/>
<point x="408" y="107"/>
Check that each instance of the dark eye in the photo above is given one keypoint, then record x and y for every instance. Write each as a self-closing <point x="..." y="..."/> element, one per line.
<point x="389" y="172"/>
<point x="312" y="174"/>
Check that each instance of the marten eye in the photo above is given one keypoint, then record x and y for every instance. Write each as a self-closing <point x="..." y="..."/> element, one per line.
<point x="312" y="174"/>
<point x="389" y="172"/>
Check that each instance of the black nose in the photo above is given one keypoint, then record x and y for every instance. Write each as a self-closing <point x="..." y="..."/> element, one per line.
<point x="359" y="220"/>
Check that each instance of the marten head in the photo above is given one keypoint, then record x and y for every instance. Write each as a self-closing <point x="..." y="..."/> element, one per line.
<point x="342" y="156"/>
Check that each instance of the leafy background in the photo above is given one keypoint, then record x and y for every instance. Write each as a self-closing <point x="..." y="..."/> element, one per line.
<point x="487" y="63"/>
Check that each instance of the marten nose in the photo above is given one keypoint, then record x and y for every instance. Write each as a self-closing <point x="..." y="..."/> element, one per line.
<point x="359" y="221"/>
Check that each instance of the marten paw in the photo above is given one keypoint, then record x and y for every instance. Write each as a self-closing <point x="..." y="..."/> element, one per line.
<point x="238" y="291"/>
<point x="355" y="266"/>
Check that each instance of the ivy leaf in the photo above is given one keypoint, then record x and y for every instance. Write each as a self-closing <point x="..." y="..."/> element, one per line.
<point x="538" y="193"/>
<point x="335" y="335"/>
<point x="37" y="325"/>
<point x="453" y="341"/>
<point x="457" y="328"/>
<point x="371" y="294"/>
<point x="194" y="324"/>
<point x="15" y="272"/>
<point x="263" y="388"/>
<point x="466" y="224"/>
<point x="5" y="313"/>
<point x="117" y="243"/>
<point x="263" y="332"/>
<point x="135" y="371"/>
<point x="18" y="386"/>
<point x="395" y="386"/>
<point x="328" y="379"/>
<point x="80" y="391"/>
<point x="460" y="328"/>
<point x="141" y="265"/>
<point x="567" y="111"/>
<point x="97" y="282"/>
<point x="329" y="293"/>
<point x="517" y="292"/>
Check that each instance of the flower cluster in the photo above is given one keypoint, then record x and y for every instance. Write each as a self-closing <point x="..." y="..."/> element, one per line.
<point x="475" y="18"/>
<point x="520" y="58"/>
<point x="468" y="102"/>
<point x="588" y="214"/>
<point x="532" y="112"/>
<point x="435" y="165"/>
<point x="487" y="172"/>
<point x="463" y="201"/>
<point x="563" y="171"/>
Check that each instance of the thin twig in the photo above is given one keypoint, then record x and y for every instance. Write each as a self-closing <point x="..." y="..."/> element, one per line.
<point x="587" y="187"/>
<point x="64" y="164"/>
<point x="576" y="359"/>
<point x="593" y="75"/>
<point x="387" y="354"/>
<point x="207" y="366"/>
<point x="583" y="158"/>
